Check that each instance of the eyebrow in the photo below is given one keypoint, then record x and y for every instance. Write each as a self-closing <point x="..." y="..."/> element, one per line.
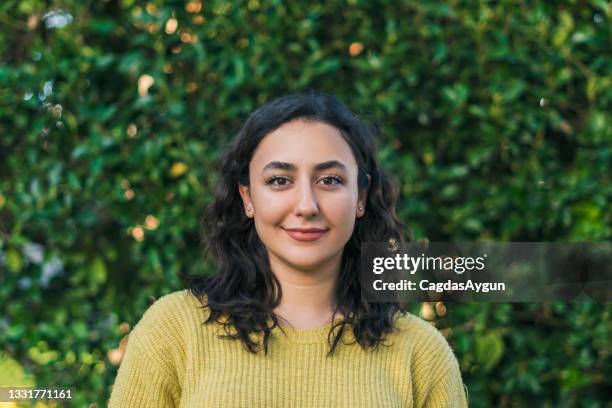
<point x="330" y="164"/>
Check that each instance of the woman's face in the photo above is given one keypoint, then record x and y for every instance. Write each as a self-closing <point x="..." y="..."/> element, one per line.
<point x="303" y="176"/>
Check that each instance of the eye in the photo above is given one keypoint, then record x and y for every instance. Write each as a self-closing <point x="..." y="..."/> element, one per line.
<point x="277" y="181"/>
<point x="332" y="180"/>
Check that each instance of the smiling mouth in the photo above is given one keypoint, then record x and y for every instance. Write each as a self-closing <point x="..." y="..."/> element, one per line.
<point x="305" y="235"/>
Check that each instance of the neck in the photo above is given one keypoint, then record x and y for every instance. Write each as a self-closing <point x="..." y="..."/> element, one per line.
<point x="308" y="297"/>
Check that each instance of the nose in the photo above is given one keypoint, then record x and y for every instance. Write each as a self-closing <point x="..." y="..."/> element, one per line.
<point x="306" y="205"/>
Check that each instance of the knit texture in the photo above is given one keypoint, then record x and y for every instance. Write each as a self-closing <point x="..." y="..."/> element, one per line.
<point x="173" y="360"/>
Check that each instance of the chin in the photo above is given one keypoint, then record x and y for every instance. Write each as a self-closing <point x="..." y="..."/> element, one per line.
<point x="307" y="267"/>
<point x="307" y="260"/>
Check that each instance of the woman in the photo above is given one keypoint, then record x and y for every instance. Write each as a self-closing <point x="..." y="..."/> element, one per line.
<point x="283" y="322"/>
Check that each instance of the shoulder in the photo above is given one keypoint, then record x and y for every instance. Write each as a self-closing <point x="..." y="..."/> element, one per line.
<point x="153" y="365"/>
<point x="173" y="306"/>
<point x="428" y="350"/>
<point x="414" y="328"/>
<point x="434" y="370"/>
<point x="168" y="320"/>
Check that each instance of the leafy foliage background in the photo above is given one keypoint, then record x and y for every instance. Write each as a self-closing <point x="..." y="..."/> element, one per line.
<point x="497" y="125"/>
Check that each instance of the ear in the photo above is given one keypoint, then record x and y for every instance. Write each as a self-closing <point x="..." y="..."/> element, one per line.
<point x="246" y="200"/>
<point x="362" y="198"/>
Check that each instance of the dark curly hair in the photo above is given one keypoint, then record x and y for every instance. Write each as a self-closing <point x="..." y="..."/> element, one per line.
<point x="244" y="292"/>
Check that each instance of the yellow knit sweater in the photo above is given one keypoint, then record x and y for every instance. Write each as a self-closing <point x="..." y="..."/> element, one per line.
<point x="173" y="360"/>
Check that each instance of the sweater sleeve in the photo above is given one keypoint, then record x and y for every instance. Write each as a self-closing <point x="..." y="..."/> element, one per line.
<point x="147" y="376"/>
<point x="435" y="373"/>
<point x="447" y="391"/>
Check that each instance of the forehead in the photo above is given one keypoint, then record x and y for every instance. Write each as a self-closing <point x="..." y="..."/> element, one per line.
<point x="304" y="144"/>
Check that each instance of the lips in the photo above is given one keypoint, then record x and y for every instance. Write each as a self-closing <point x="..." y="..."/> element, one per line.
<point x="305" y="234"/>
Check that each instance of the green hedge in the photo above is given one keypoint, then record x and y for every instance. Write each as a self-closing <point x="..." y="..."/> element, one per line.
<point x="496" y="119"/>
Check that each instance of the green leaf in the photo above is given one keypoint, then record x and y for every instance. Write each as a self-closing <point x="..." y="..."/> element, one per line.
<point x="98" y="273"/>
<point x="489" y="350"/>
<point x="13" y="260"/>
<point x="102" y="26"/>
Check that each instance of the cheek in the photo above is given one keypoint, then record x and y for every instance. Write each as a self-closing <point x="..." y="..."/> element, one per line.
<point x="269" y="212"/>
<point x="340" y="211"/>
